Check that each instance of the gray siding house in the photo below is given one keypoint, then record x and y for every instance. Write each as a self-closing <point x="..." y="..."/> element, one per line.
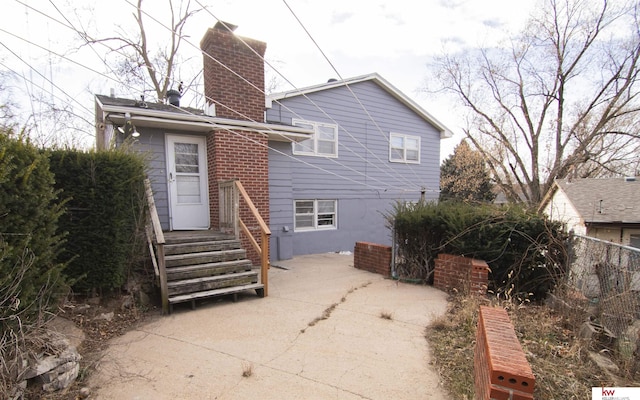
<point x="372" y="146"/>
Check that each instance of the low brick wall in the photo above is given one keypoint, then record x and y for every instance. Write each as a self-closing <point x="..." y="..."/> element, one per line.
<point x="373" y="258"/>
<point x="500" y="367"/>
<point x="465" y="275"/>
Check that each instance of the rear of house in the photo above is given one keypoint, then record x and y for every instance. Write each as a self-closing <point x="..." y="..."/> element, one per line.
<point x="372" y="146"/>
<point x="322" y="165"/>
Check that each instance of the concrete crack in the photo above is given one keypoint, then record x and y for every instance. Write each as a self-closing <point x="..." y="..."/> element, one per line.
<point x="327" y="312"/>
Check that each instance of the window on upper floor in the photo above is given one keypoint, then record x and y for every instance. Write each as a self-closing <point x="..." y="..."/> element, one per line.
<point x="404" y="148"/>
<point x="323" y="143"/>
<point x="311" y="215"/>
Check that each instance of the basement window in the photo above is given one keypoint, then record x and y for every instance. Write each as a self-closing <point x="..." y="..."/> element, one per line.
<point x="312" y="215"/>
<point x="323" y="143"/>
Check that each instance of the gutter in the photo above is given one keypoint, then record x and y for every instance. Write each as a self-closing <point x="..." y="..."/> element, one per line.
<point x="202" y="123"/>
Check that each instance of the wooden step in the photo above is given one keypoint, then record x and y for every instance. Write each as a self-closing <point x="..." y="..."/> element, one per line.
<point x="208" y="269"/>
<point x="178" y="260"/>
<point x="200" y="247"/>
<point x="174" y="237"/>
<point x="258" y="287"/>
<point x="212" y="282"/>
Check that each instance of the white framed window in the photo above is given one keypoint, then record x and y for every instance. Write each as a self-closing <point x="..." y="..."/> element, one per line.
<point x="311" y="215"/>
<point x="323" y="143"/>
<point x="404" y="148"/>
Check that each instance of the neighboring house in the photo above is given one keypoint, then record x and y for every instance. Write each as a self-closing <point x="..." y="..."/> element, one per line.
<point x="372" y="147"/>
<point x="607" y="209"/>
<point x="320" y="181"/>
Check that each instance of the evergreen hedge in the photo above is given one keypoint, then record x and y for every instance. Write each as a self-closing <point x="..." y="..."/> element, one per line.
<point x="31" y="280"/>
<point x="526" y="252"/>
<point x="105" y="192"/>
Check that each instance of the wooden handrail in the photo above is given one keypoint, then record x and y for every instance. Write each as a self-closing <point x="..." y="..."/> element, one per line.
<point x="261" y="248"/>
<point x="155" y="220"/>
<point x="254" y="210"/>
<point x="253" y="241"/>
<point x="158" y="238"/>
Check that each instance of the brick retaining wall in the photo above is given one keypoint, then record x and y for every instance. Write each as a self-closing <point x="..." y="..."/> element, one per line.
<point x="373" y="258"/>
<point x="462" y="274"/>
<point x="500" y="367"/>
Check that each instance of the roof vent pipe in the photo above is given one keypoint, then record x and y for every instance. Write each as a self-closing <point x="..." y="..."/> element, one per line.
<point x="629" y="178"/>
<point x="173" y="96"/>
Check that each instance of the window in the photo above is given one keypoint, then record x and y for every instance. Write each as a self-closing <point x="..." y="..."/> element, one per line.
<point x="315" y="215"/>
<point x="634" y="240"/>
<point x="404" y="148"/>
<point x="323" y="143"/>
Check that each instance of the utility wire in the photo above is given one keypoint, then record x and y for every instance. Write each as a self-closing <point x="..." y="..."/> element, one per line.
<point x="339" y="75"/>
<point x="396" y="177"/>
<point x="83" y="34"/>
<point x="394" y="173"/>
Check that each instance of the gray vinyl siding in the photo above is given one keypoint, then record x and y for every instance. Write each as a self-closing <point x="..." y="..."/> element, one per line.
<point x="361" y="178"/>
<point x="151" y="144"/>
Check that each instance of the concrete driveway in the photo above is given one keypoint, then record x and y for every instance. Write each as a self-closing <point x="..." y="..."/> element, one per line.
<point x="320" y="334"/>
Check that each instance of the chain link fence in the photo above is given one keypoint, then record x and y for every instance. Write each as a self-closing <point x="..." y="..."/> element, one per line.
<point x="606" y="277"/>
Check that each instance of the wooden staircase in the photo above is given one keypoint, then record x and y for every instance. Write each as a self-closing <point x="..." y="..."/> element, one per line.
<point x="203" y="264"/>
<point x="191" y="265"/>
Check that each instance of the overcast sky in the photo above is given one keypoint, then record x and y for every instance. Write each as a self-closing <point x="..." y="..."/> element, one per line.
<point x="395" y="38"/>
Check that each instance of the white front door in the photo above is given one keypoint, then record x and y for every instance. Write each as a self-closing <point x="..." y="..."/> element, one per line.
<point x="187" y="179"/>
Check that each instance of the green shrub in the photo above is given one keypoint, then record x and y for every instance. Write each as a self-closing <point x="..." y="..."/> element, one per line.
<point x="103" y="214"/>
<point x="31" y="279"/>
<point x="525" y="251"/>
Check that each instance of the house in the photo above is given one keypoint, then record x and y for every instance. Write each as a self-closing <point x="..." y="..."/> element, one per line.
<point x="372" y="146"/>
<point x="321" y="168"/>
<point x="606" y="208"/>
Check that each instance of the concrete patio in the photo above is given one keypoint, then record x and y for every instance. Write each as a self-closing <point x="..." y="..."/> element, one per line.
<point x="284" y="342"/>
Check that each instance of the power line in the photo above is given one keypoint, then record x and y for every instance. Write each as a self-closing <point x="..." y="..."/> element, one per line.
<point x="399" y="176"/>
<point x="394" y="174"/>
<point x="84" y="36"/>
<point x="340" y="76"/>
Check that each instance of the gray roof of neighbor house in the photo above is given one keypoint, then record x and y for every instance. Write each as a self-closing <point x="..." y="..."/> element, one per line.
<point x="189" y="119"/>
<point x="380" y="81"/>
<point x="604" y="200"/>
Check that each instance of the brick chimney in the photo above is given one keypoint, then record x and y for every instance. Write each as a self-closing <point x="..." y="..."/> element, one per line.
<point x="236" y="154"/>
<point x="225" y="52"/>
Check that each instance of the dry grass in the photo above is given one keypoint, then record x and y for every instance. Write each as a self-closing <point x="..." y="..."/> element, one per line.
<point x="386" y="315"/>
<point x="559" y="359"/>
<point x="247" y="370"/>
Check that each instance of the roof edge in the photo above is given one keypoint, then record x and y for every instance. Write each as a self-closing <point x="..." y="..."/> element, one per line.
<point x="380" y="81"/>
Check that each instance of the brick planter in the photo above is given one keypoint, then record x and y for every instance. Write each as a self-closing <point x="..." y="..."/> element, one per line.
<point x="461" y="274"/>
<point x="500" y="367"/>
<point x="373" y="258"/>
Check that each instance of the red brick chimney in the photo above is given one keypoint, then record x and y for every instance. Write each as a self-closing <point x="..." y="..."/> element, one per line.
<point x="236" y="154"/>
<point x="230" y="63"/>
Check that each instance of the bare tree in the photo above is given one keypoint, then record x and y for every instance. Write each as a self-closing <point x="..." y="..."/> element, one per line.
<point x="561" y="98"/>
<point x="7" y="105"/>
<point x="139" y="63"/>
